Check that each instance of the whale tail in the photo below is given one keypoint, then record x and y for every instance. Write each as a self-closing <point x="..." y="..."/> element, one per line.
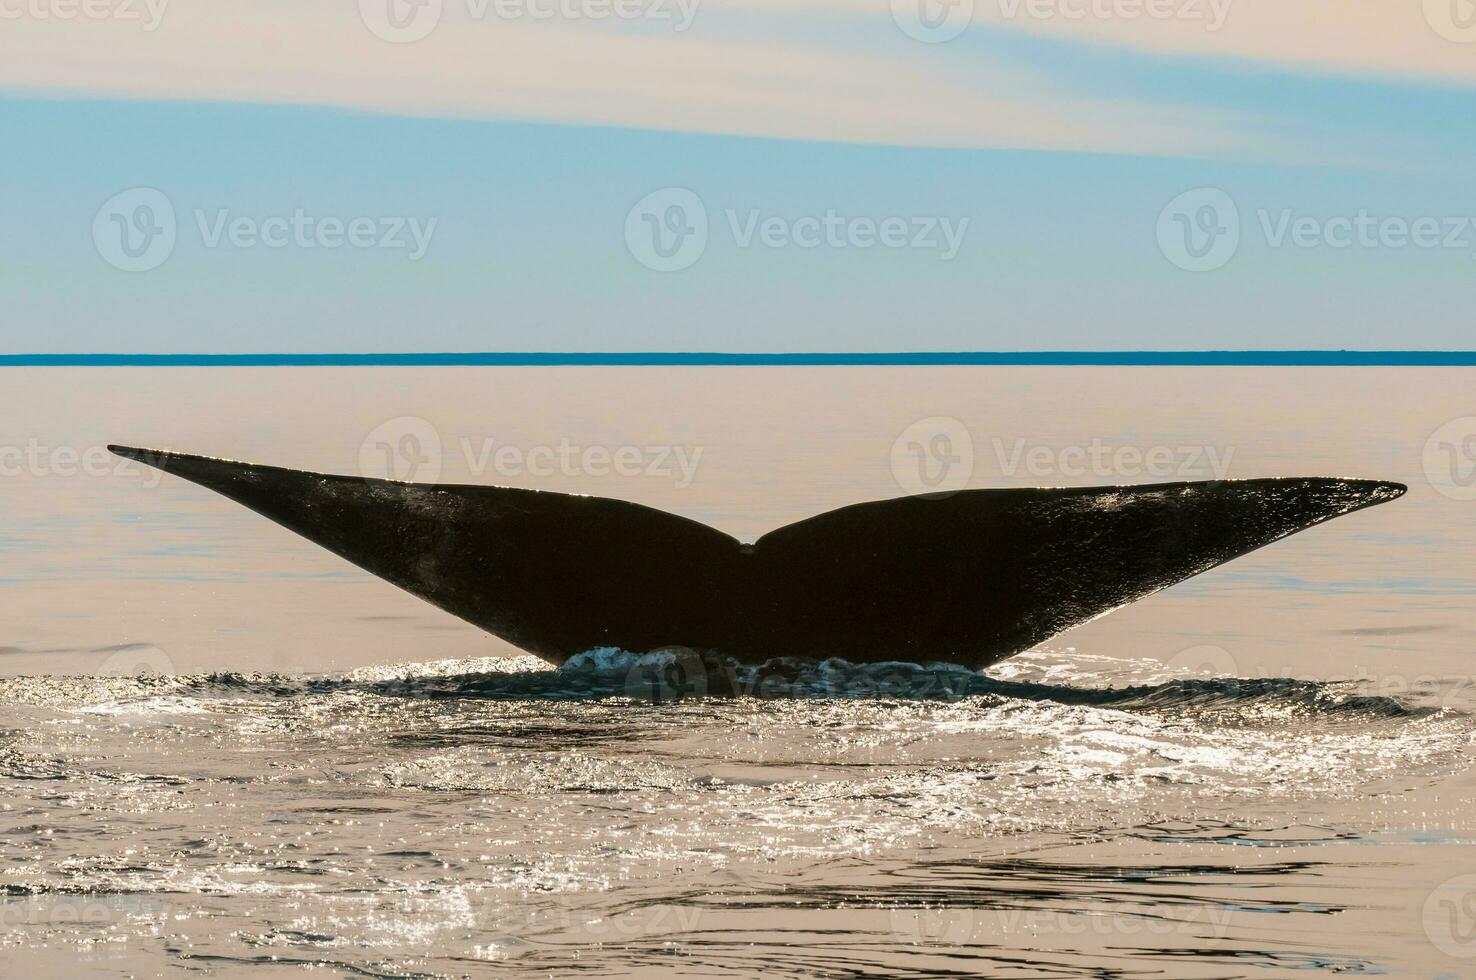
<point x="968" y="578"/>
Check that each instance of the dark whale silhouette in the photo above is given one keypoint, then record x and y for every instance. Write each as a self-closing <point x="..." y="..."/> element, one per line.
<point x="968" y="578"/>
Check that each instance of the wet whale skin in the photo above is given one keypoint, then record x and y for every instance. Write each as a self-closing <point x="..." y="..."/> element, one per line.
<point x="968" y="578"/>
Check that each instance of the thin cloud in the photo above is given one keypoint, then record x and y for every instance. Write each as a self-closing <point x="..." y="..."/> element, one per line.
<point x="1429" y="40"/>
<point x="713" y="78"/>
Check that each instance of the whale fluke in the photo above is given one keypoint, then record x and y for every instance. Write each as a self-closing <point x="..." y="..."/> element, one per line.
<point x="967" y="578"/>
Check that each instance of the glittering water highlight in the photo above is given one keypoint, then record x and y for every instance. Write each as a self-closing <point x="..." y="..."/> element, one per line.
<point x="451" y="818"/>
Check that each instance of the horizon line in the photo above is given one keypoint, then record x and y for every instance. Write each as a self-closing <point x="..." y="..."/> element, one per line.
<point x="1208" y="358"/>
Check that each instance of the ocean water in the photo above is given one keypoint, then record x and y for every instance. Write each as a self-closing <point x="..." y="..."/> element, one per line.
<point x="224" y="751"/>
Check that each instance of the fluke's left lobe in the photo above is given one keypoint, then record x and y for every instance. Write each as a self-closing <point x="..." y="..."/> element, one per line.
<point x="552" y="573"/>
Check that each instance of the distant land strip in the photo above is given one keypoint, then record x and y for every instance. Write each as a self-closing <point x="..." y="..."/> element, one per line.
<point x="1216" y="358"/>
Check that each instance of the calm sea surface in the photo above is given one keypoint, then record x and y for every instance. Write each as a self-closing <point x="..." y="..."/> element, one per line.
<point x="223" y="750"/>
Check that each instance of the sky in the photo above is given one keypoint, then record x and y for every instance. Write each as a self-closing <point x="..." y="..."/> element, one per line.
<point x="735" y="175"/>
